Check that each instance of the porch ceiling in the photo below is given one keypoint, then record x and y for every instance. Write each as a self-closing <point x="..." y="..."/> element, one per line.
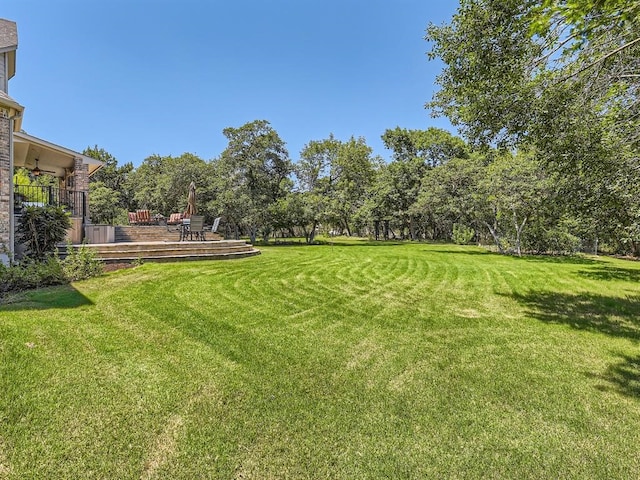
<point x="51" y="157"/>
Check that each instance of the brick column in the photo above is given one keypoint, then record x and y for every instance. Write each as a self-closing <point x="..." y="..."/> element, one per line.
<point x="6" y="178"/>
<point x="81" y="173"/>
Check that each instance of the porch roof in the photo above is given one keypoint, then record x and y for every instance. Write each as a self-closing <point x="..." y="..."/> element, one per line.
<point x="52" y="158"/>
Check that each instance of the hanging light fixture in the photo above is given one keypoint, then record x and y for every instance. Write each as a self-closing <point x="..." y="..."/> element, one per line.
<point x="36" y="171"/>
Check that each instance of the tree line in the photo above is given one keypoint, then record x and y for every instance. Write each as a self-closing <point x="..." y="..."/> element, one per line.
<point x="335" y="185"/>
<point x="435" y="187"/>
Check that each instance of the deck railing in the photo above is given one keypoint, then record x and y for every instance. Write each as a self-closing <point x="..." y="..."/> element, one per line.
<point x="74" y="201"/>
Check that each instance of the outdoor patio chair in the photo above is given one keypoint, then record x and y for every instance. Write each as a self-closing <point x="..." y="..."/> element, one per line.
<point x="216" y="223"/>
<point x="144" y="217"/>
<point x="184" y="228"/>
<point x="175" y="219"/>
<point x="133" y="218"/>
<point x="196" y="226"/>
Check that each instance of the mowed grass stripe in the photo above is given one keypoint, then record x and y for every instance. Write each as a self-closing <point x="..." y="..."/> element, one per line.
<point x="358" y="361"/>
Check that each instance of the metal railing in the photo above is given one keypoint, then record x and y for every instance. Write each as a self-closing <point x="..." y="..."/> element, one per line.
<point x="75" y="202"/>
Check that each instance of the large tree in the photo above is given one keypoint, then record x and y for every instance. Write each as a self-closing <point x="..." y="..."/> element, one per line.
<point x="256" y="170"/>
<point x="334" y="177"/>
<point x="512" y="192"/>
<point x="414" y="152"/>
<point x="161" y="184"/>
<point x="105" y="204"/>
<point x="558" y="78"/>
<point x="110" y="174"/>
<point x="352" y="175"/>
<point x="433" y="146"/>
<point x="449" y="195"/>
<point x="113" y="178"/>
<point x="316" y="183"/>
<point x="487" y="87"/>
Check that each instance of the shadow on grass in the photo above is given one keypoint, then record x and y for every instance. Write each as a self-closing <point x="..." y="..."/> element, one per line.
<point x="555" y="259"/>
<point x="614" y="316"/>
<point x="331" y="243"/>
<point x="63" y="296"/>
<point x="623" y="377"/>
<point x="360" y="243"/>
<point x="565" y="259"/>
<point x="605" y="272"/>
<point x="281" y="243"/>
<point x="463" y="250"/>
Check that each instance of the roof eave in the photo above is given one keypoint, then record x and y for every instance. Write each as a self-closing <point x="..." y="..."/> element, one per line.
<point x="8" y="102"/>
<point x="15" y="110"/>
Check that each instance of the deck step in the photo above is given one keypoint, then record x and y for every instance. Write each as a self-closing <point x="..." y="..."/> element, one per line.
<point x="167" y="251"/>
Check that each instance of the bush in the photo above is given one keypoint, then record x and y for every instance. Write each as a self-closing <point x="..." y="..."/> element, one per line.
<point x="81" y="263"/>
<point x="41" y="228"/>
<point x="462" y="234"/>
<point x="555" y="239"/>
<point x="31" y="274"/>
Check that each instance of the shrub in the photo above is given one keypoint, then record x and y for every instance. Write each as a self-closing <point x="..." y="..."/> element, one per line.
<point x="31" y="274"/>
<point x="81" y="263"/>
<point x="555" y="239"/>
<point x="462" y="234"/>
<point x="41" y="228"/>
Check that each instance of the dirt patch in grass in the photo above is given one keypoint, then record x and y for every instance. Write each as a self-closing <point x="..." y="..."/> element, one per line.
<point x="111" y="267"/>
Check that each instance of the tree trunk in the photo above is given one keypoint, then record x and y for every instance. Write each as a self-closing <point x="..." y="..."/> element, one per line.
<point x="346" y="226"/>
<point x="310" y="235"/>
<point x="519" y="229"/>
<point x="412" y="230"/>
<point x="496" y="238"/>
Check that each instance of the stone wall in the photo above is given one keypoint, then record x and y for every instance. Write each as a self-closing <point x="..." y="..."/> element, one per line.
<point x="81" y="173"/>
<point x="5" y="184"/>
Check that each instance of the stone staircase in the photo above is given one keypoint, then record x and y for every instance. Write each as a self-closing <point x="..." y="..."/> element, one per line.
<point x="169" y="250"/>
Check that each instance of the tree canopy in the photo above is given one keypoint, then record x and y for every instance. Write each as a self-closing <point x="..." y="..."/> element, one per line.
<point x="557" y="79"/>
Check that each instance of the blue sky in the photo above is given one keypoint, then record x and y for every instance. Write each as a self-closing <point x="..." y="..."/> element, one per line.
<point x="142" y="77"/>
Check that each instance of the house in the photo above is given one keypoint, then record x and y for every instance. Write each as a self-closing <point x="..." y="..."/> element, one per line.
<point x="19" y="149"/>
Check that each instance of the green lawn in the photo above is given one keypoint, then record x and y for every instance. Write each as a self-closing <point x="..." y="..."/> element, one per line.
<point x="345" y="361"/>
